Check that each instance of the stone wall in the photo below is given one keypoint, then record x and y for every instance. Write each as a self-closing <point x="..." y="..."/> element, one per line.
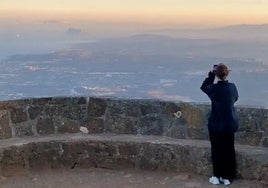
<point x="45" y="116"/>
<point x="20" y="156"/>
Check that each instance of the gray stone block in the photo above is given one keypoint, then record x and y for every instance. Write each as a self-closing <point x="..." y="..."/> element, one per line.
<point x="97" y="107"/>
<point x="193" y="116"/>
<point x="265" y="141"/>
<point x="18" y="115"/>
<point x="95" y="125"/>
<point x="65" y="125"/>
<point x="24" y="129"/>
<point x="13" y="161"/>
<point x="121" y="125"/>
<point x="150" y="107"/>
<point x="35" y="111"/>
<point x="169" y="108"/>
<point x="45" y="126"/>
<point x="44" y="155"/>
<point x="124" y="108"/>
<point x="151" y="124"/>
<point x="175" y="130"/>
<point x="249" y="138"/>
<point x="5" y="128"/>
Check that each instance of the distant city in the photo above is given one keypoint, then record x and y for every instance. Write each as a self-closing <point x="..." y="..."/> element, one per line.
<point x="168" y="64"/>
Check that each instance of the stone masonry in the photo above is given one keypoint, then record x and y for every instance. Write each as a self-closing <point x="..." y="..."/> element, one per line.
<point x="45" y="116"/>
<point x="132" y="133"/>
<point x="114" y="151"/>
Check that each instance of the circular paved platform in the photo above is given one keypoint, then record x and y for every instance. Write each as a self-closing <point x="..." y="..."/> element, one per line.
<point x="104" y="178"/>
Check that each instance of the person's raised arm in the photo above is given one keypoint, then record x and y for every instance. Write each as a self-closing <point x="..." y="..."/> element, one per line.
<point x="207" y="82"/>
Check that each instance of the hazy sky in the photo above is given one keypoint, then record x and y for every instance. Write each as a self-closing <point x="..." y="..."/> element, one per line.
<point x="191" y="12"/>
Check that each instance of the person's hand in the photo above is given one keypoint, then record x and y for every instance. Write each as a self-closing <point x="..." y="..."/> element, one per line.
<point x="211" y="73"/>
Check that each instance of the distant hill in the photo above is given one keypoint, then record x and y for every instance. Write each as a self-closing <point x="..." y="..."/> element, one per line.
<point x="141" y="65"/>
<point x="239" y="32"/>
<point x="245" y="27"/>
<point x="244" y="31"/>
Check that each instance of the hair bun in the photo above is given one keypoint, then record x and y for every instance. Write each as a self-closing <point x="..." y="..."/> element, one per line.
<point x="222" y="71"/>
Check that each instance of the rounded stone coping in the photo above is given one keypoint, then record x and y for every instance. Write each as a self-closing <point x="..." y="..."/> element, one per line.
<point x="20" y="155"/>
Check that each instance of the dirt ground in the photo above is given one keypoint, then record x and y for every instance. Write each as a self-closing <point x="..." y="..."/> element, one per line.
<point x="107" y="178"/>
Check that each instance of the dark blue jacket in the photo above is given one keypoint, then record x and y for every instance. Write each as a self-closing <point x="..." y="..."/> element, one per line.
<point x="223" y="95"/>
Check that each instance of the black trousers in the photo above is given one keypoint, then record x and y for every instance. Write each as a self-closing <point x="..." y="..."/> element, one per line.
<point x="223" y="154"/>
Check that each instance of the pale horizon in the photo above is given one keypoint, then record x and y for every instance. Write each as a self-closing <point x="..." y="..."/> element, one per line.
<point x="190" y="13"/>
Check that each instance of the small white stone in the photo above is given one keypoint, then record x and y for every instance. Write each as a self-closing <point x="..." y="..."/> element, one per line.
<point x="178" y="114"/>
<point x="83" y="130"/>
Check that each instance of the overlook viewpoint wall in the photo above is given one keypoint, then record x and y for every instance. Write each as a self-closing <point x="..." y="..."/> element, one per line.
<point x="46" y="116"/>
<point x="143" y="134"/>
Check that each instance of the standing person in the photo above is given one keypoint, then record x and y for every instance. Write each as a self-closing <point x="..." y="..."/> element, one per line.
<point x="222" y="124"/>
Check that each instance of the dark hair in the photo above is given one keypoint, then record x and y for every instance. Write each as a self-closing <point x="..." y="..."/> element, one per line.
<point x="222" y="71"/>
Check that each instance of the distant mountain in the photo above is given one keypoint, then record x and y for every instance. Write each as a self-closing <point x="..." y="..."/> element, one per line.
<point x="245" y="27"/>
<point x="239" y="32"/>
<point x="146" y="65"/>
<point x="244" y="31"/>
<point x="159" y="44"/>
